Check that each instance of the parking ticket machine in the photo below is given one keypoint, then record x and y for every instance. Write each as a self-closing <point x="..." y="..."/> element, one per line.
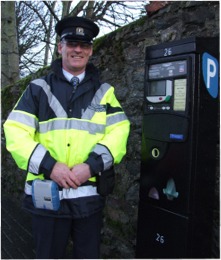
<point x="179" y="140"/>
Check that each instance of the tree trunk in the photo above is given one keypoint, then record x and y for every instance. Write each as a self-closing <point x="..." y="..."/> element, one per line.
<point x="48" y="35"/>
<point x="66" y="8"/>
<point x="9" y="44"/>
<point x="65" y="11"/>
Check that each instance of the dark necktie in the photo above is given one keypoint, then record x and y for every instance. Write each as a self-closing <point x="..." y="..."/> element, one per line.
<point x="74" y="82"/>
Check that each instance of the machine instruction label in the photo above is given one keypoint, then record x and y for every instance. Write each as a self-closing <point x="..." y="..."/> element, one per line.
<point x="179" y="95"/>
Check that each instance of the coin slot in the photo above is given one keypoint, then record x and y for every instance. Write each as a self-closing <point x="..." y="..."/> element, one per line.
<point x="155" y="152"/>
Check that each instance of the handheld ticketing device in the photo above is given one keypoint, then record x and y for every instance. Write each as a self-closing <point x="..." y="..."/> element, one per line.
<point x="45" y="194"/>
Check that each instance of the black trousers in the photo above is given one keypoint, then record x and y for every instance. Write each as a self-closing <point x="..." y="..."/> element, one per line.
<point x="51" y="236"/>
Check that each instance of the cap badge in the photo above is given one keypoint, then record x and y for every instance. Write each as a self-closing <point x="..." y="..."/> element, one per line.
<point x="80" y="31"/>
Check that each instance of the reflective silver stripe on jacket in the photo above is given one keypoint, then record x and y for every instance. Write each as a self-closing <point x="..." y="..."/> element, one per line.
<point x="89" y="113"/>
<point x="36" y="158"/>
<point x="23" y="118"/>
<point x="60" y="124"/>
<point x="52" y="100"/>
<point x="116" y="118"/>
<point x="105" y="155"/>
<point x="84" y="191"/>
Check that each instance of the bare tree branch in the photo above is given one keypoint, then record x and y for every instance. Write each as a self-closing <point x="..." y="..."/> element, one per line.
<point x="51" y="10"/>
<point x="78" y="8"/>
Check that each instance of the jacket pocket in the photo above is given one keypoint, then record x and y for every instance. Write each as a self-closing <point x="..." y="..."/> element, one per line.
<point x="106" y="182"/>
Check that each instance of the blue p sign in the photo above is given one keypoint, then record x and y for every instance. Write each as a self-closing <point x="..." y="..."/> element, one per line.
<point x="210" y="74"/>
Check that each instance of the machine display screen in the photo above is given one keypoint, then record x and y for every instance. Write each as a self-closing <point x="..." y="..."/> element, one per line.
<point x="157" y="88"/>
<point x="168" y="69"/>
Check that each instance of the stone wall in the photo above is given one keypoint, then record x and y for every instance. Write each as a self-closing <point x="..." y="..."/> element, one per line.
<point x="120" y="57"/>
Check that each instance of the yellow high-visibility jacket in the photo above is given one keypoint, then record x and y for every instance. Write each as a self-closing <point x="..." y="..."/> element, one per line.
<point x="49" y="124"/>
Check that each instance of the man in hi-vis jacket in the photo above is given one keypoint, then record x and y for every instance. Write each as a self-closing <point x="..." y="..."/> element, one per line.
<point x="69" y="128"/>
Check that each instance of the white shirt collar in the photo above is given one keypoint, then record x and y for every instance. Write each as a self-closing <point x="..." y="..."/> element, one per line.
<point x="69" y="76"/>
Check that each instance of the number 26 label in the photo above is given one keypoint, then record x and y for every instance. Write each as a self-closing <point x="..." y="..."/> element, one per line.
<point x="167" y="51"/>
<point x="160" y="239"/>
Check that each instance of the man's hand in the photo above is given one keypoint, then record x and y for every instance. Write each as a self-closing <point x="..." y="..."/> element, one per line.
<point x="82" y="172"/>
<point x="64" y="177"/>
